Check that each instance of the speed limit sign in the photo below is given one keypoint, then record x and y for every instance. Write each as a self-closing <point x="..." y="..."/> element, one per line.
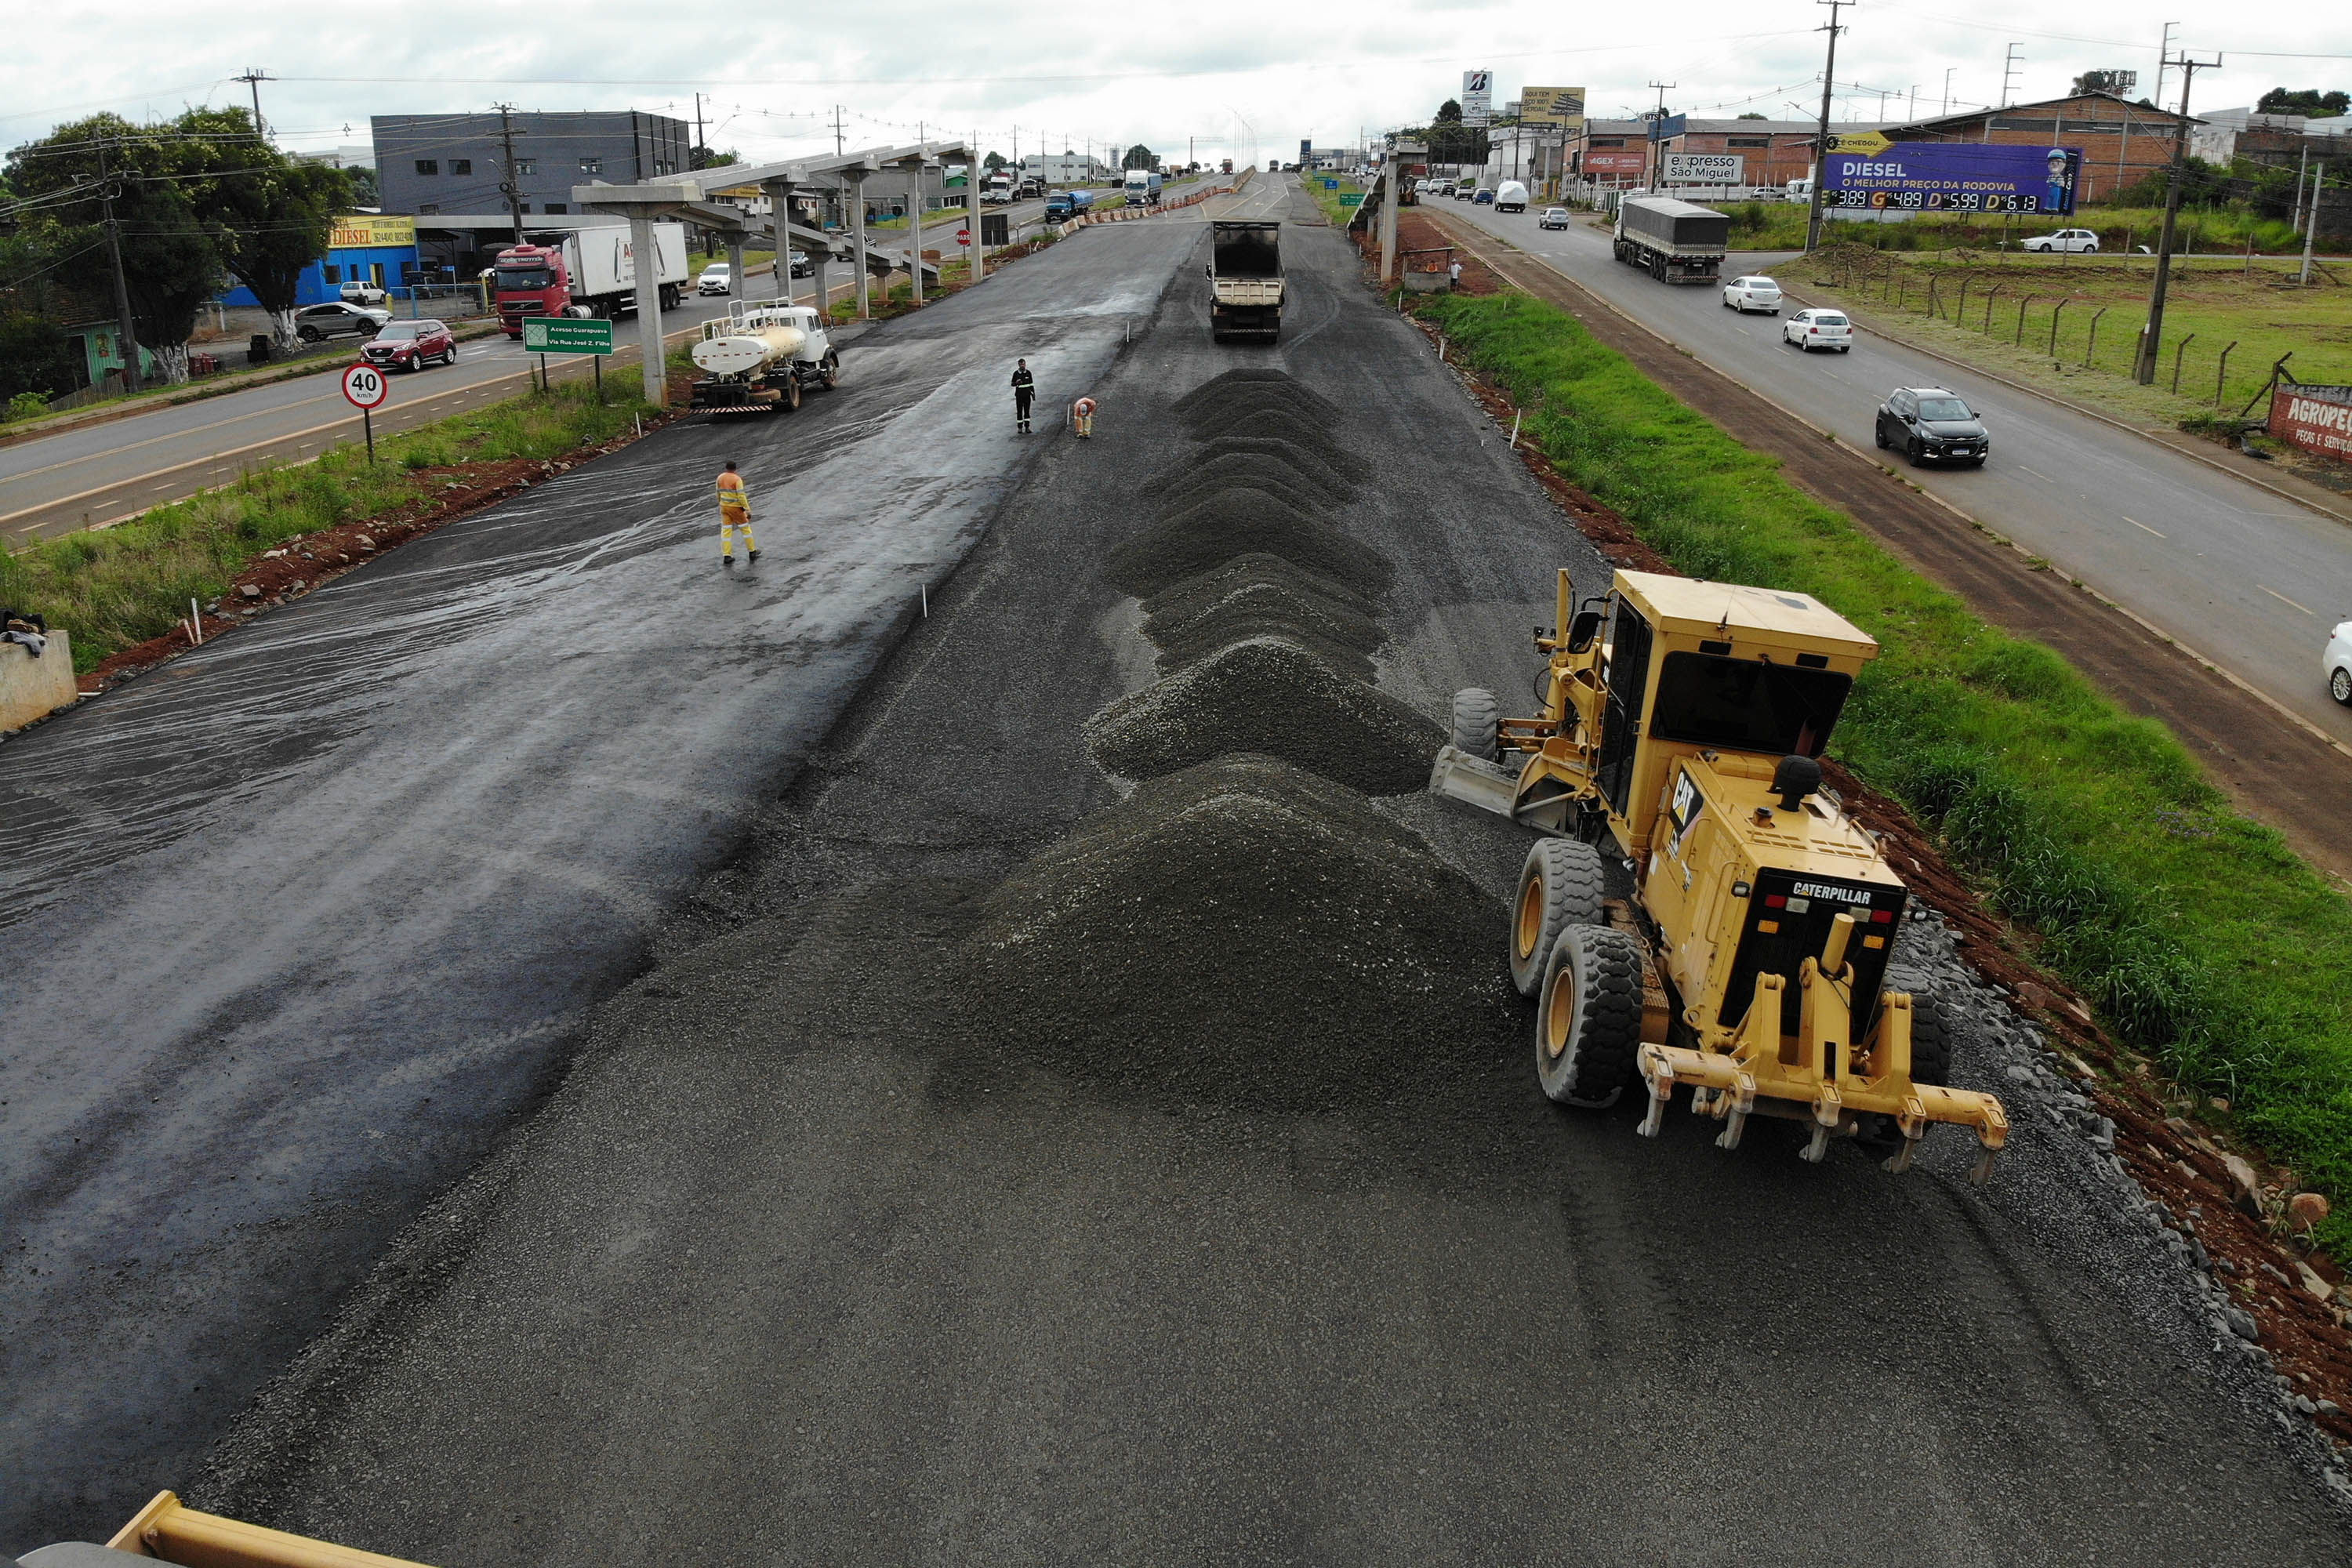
<point x="365" y="386"/>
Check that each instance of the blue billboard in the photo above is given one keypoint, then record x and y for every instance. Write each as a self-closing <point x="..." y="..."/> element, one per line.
<point x="1954" y="177"/>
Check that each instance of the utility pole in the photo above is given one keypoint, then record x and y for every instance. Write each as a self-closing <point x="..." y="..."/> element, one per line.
<point x="2302" y="173"/>
<point x="2311" y="230"/>
<point x="253" y="78"/>
<point x="1821" y="145"/>
<point x="2144" y="363"/>
<point x="508" y="185"/>
<point x="2009" y="71"/>
<point x="1657" y="146"/>
<point x="1947" y="89"/>
<point x="127" y="332"/>
<point x="836" y="130"/>
<point x="694" y="158"/>
<point x="2163" y="62"/>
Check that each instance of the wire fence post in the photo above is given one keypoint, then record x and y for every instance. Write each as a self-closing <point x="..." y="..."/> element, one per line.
<point x="2222" y="372"/>
<point x="2021" y="307"/>
<point x="2179" y="349"/>
<point x="2091" y="343"/>
<point x="2054" y="327"/>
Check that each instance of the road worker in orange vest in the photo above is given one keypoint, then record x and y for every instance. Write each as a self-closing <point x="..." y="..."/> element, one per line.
<point x="734" y="512"/>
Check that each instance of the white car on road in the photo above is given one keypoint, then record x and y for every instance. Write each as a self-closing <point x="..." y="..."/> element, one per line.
<point x="2081" y="241"/>
<point x="2338" y="663"/>
<point x="1746" y="294"/>
<point x="1553" y="218"/>
<point x="717" y="279"/>
<point x="1817" y="329"/>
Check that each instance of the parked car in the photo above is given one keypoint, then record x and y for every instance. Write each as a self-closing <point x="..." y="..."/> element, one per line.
<point x="1927" y="424"/>
<point x="1484" y="197"/>
<point x="718" y="278"/>
<point x="411" y="345"/>
<point x="336" y="320"/>
<point x="1746" y="294"/>
<point x="2079" y="240"/>
<point x="356" y="292"/>
<point x="1553" y="218"/>
<point x="2338" y="663"/>
<point x="1817" y="329"/>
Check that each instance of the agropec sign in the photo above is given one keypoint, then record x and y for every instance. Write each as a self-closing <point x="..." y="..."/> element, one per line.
<point x="2318" y="419"/>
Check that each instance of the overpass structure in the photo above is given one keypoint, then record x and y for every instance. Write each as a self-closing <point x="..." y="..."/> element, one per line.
<point x="689" y="197"/>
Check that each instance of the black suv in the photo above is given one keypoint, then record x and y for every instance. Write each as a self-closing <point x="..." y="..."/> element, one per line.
<point x="1926" y="424"/>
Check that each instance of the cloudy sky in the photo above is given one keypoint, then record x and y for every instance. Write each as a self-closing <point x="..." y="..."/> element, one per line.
<point x="1221" y="76"/>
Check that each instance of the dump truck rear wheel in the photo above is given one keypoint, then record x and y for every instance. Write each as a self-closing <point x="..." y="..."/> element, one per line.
<point x="1475" y="719"/>
<point x="1559" y="886"/>
<point x="1931" y="1056"/>
<point x="1589" y="1016"/>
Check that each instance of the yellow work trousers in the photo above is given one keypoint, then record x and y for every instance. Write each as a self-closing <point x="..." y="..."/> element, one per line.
<point x="730" y="519"/>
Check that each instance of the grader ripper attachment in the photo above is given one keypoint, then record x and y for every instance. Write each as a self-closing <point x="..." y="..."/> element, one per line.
<point x="1683" y="722"/>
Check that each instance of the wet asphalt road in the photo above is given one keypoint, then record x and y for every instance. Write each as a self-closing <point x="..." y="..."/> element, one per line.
<point x="782" y="1273"/>
<point x="299" y="925"/>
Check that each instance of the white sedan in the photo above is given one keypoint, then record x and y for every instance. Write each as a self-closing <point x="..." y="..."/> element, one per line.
<point x="1553" y="218"/>
<point x="2080" y="241"/>
<point x="717" y="279"/>
<point x="1746" y="294"/>
<point x="2337" y="663"/>
<point x="1817" y="329"/>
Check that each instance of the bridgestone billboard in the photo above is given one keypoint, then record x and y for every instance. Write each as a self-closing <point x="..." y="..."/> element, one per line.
<point x="1706" y="169"/>
<point x="2316" y="418"/>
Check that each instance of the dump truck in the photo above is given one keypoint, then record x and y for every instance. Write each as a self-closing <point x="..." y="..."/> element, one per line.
<point x="1682" y="724"/>
<point x="756" y="358"/>
<point x="1244" y="281"/>
<point x="1674" y="241"/>
<point x="167" y="1530"/>
<point x="592" y="272"/>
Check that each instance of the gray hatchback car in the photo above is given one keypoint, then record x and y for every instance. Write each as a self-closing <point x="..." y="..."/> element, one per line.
<point x="1927" y="424"/>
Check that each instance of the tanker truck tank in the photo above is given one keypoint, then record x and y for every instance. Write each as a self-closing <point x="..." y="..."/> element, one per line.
<point x="757" y="359"/>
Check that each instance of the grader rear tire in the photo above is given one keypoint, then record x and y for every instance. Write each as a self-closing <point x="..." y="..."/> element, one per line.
<point x="1559" y="886"/>
<point x="1589" y="1016"/>
<point x="1931" y="1056"/>
<point x="1475" y="719"/>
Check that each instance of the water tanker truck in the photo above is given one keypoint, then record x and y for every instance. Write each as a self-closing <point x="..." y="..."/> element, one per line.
<point x="1244" y="281"/>
<point x="1673" y="241"/>
<point x="593" y="272"/>
<point x="756" y="358"/>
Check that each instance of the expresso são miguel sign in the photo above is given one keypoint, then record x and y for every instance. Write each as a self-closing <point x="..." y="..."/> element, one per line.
<point x="2316" y="418"/>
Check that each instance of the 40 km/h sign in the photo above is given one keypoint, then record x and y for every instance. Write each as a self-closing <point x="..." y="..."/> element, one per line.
<point x="366" y="388"/>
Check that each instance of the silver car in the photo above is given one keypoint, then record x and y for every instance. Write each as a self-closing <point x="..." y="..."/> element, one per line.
<point x="1746" y="294"/>
<point x="2337" y="664"/>
<point x="1553" y="218"/>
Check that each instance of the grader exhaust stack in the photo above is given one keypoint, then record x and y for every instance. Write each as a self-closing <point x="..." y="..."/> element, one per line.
<point x="1682" y="724"/>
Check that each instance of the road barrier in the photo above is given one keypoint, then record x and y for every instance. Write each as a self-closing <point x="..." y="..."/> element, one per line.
<point x="31" y="687"/>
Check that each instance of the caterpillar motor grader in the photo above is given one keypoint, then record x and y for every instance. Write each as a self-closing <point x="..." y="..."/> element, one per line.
<point x="1684" y="721"/>
<point x="167" y="1530"/>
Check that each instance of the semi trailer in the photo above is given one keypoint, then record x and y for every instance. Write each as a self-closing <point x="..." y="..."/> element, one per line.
<point x="1244" y="281"/>
<point x="591" y="272"/>
<point x="1143" y="188"/>
<point x="1673" y="241"/>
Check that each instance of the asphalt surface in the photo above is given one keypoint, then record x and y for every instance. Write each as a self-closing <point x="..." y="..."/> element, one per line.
<point x="99" y="473"/>
<point x="296" y="927"/>
<point x="782" y="1273"/>
<point x="2247" y="578"/>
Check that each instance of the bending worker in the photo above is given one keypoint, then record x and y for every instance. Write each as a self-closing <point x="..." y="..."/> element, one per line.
<point x="1081" y="417"/>
<point x="734" y="512"/>
<point x="1024" y="393"/>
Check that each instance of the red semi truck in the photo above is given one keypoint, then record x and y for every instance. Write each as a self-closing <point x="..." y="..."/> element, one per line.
<point x="593" y="272"/>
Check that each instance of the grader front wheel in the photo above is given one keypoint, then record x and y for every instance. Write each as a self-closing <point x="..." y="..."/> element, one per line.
<point x="1589" y="1016"/>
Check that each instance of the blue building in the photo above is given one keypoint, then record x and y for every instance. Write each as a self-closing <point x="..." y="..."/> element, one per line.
<point x="362" y="247"/>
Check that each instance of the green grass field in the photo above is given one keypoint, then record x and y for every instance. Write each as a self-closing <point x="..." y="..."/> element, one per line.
<point x="1780" y="226"/>
<point x="114" y="588"/>
<point x="1329" y="200"/>
<point x="2201" y="939"/>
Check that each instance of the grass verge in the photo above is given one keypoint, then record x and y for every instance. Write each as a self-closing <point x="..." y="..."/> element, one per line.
<point x="2203" y="942"/>
<point x="1328" y="200"/>
<point x="115" y="587"/>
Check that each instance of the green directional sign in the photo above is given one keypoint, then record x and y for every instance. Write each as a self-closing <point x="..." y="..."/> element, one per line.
<point x="565" y="335"/>
<point x="1350" y="199"/>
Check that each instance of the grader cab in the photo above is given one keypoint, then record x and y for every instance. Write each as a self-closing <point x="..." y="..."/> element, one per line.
<point x="1682" y="722"/>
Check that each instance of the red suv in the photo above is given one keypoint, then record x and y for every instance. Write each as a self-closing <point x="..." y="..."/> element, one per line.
<point x="410" y="345"/>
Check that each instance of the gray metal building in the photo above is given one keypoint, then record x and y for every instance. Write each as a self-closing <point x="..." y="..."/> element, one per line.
<point x="433" y="163"/>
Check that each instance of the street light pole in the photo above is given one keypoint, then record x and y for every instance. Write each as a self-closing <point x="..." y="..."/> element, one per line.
<point x="2143" y="362"/>
<point x="1821" y="145"/>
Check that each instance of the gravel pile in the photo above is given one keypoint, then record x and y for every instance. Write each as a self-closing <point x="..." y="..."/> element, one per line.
<point x="1241" y="930"/>
<point x="1257" y="381"/>
<point x="1268" y="419"/>
<point x="1254" y="595"/>
<point x="1192" y="483"/>
<point x="1213" y="530"/>
<point x="1306" y="464"/>
<point x="1274" y="695"/>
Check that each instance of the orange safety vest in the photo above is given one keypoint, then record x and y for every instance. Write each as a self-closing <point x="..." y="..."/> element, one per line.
<point x="732" y="495"/>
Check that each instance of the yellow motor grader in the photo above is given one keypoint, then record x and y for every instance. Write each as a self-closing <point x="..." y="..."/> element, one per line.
<point x="168" y="1530"/>
<point x="1684" y="721"/>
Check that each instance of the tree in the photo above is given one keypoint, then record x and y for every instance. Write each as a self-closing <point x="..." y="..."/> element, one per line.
<point x="2103" y="81"/>
<point x="1139" y="157"/>
<point x="173" y="257"/>
<point x="2309" y="102"/>
<point x="1752" y="115"/>
<point x="1449" y="112"/>
<point x="994" y="161"/>
<point x="275" y="221"/>
<point x="704" y="158"/>
<point x="365" y="192"/>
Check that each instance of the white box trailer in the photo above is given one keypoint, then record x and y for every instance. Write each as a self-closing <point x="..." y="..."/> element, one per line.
<point x="602" y="264"/>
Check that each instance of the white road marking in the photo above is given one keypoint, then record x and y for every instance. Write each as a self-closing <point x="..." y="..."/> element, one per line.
<point x="2283" y="599"/>
<point x="2045" y="478"/>
<point x="2139" y="524"/>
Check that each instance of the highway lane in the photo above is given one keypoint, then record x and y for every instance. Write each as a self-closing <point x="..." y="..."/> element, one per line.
<point x="291" y="930"/>
<point x="2245" y="577"/>
<point x="97" y="474"/>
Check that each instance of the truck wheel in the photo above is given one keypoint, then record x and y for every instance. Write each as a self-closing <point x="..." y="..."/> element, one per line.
<point x="1931" y="1057"/>
<point x="1589" y="1016"/>
<point x="832" y="371"/>
<point x="1559" y="886"/>
<point x="1476" y="716"/>
<point x="791" y="391"/>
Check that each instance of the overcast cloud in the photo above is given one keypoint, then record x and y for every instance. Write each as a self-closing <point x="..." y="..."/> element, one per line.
<point x="1235" y="78"/>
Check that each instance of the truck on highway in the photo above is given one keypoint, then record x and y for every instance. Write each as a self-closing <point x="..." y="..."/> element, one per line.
<point x="1674" y="241"/>
<point x="756" y="359"/>
<point x="1143" y="188"/>
<point x="1031" y="186"/>
<point x="997" y="190"/>
<point x="593" y="272"/>
<point x="1510" y="197"/>
<point x="1065" y="205"/>
<point x="1244" y="281"/>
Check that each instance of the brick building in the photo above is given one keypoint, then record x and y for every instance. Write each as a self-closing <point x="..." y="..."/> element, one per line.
<point x="2122" y="142"/>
